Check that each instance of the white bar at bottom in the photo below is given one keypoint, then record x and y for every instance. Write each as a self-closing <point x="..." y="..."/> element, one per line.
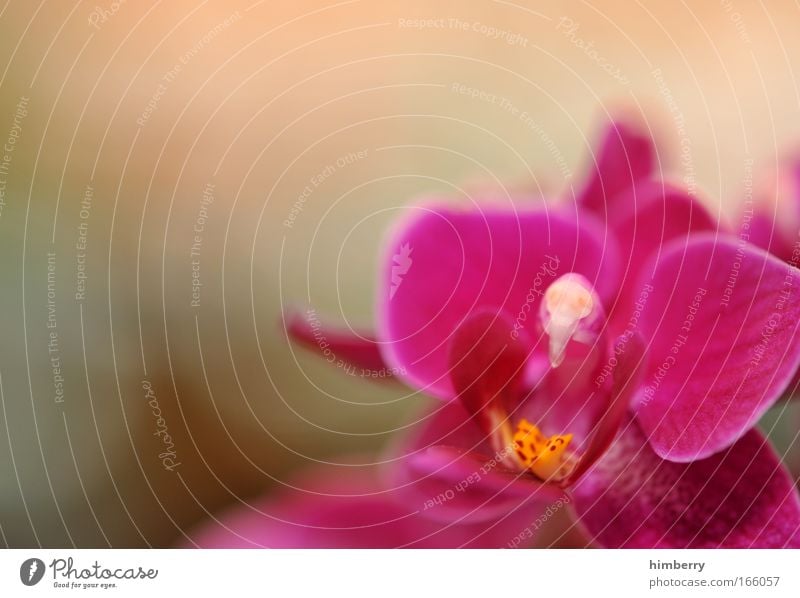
<point x="401" y="573"/>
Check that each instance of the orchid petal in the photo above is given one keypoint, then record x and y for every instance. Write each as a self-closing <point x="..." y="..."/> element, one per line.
<point x="739" y="498"/>
<point x="652" y="214"/>
<point x="345" y="508"/>
<point x="626" y="376"/>
<point x="448" y="470"/>
<point x="722" y="348"/>
<point x="625" y="156"/>
<point x="443" y="264"/>
<point x="335" y="345"/>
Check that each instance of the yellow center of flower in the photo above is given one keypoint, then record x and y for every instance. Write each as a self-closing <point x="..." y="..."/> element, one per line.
<point x="546" y="457"/>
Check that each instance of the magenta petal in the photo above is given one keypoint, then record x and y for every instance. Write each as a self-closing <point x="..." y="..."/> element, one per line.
<point x="652" y="214"/>
<point x="722" y="323"/>
<point x="448" y="470"/>
<point x="457" y="485"/>
<point x="625" y="156"/>
<point x="341" y="348"/>
<point x="486" y="366"/>
<point x="629" y="361"/>
<point x="571" y="398"/>
<point x="443" y="264"/>
<point x="739" y="498"/>
<point x="347" y="509"/>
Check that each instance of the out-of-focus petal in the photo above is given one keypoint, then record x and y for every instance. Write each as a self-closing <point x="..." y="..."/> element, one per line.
<point x="627" y="365"/>
<point x="442" y="264"/>
<point x="572" y="397"/>
<point x="765" y="232"/>
<point x="625" y="156"/>
<point x="739" y="498"/>
<point x="337" y="346"/>
<point x="722" y="327"/>
<point x="650" y="215"/>
<point x="345" y="509"/>
<point x="486" y="366"/>
<point x="448" y="470"/>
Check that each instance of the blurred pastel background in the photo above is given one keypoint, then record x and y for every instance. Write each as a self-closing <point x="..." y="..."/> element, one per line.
<point x="291" y="134"/>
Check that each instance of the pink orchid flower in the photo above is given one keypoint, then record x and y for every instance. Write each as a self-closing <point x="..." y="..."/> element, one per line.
<point x="618" y="353"/>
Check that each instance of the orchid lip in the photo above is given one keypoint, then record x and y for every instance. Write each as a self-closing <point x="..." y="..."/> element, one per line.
<point x="570" y="311"/>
